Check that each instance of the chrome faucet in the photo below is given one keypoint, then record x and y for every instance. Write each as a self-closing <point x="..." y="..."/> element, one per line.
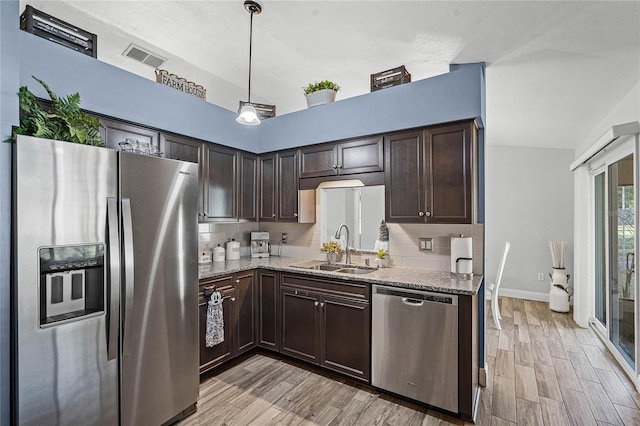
<point x="346" y="248"/>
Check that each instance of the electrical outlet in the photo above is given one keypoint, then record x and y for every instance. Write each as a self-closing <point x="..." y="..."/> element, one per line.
<point x="283" y="240"/>
<point x="540" y="276"/>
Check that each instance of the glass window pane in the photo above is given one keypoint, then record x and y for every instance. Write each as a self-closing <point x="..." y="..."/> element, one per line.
<point x="622" y="257"/>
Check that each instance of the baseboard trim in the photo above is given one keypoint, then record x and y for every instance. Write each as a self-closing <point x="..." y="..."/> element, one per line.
<point x="522" y="294"/>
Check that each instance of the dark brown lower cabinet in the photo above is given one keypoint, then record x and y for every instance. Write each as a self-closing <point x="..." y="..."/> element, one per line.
<point x="216" y="355"/>
<point x="322" y="324"/>
<point x="268" y="288"/>
<point x="300" y="324"/>
<point x="239" y="313"/>
<point x="245" y="303"/>
<point x="344" y="336"/>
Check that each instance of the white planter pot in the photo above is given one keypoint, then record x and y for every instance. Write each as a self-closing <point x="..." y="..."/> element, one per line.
<point x="320" y="97"/>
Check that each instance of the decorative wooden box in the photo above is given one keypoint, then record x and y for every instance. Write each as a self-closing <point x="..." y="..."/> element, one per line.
<point x="389" y="78"/>
<point x="264" y="111"/>
<point x="59" y="31"/>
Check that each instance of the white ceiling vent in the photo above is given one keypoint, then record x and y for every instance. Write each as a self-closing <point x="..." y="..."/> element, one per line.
<point x="143" y="55"/>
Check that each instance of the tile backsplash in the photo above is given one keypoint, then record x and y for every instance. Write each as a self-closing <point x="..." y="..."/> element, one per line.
<point x="304" y="242"/>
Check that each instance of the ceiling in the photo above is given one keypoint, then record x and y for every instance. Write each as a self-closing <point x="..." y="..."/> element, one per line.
<point x="554" y="69"/>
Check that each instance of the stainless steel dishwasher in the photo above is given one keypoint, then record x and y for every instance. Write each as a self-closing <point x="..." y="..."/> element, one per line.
<point x="415" y="345"/>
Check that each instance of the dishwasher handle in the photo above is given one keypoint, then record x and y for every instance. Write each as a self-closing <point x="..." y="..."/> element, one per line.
<point x="412" y="302"/>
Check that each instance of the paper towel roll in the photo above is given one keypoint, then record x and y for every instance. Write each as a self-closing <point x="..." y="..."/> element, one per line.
<point x="461" y="255"/>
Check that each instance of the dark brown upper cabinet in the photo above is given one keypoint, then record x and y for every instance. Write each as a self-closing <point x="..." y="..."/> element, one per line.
<point x="221" y="188"/>
<point x="114" y="132"/>
<point x="248" y="187"/>
<point x="429" y="174"/>
<point x="181" y="148"/>
<point x="344" y="158"/>
<point x="278" y="187"/>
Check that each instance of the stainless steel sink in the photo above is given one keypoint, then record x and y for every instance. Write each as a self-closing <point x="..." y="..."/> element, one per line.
<point x="355" y="271"/>
<point x="324" y="267"/>
<point x="342" y="269"/>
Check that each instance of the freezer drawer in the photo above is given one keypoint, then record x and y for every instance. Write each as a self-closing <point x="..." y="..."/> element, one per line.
<point x="415" y="345"/>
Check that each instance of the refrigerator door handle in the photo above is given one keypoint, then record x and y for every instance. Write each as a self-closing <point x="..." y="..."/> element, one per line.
<point x="127" y="237"/>
<point x="113" y="278"/>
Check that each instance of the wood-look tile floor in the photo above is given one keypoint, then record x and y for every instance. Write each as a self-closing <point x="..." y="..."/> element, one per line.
<point x="543" y="370"/>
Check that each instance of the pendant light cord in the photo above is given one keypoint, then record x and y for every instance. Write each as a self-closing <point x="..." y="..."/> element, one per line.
<point x="250" y="43"/>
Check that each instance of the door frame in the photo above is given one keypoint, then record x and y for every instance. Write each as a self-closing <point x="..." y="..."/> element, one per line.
<point x="596" y="165"/>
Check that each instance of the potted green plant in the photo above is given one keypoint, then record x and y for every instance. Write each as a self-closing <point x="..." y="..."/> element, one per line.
<point x="63" y="121"/>
<point x="319" y="93"/>
<point x="333" y="250"/>
<point x="382" y="258"/>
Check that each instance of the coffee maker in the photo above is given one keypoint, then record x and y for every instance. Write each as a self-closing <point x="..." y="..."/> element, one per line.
<point x="259" y="244"/>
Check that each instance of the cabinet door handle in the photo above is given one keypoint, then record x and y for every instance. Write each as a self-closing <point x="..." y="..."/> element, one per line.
<point x="273" y="215"/>
<point x="295" y="215"/>
<point x="428" y="214"/>
<point x="315" y="303"/>
<point x="233" y="299"/>
<point x="335" y="166"/>
<point x="322" y="305"/>
<point x="340" y="166"/>
<point x="421" y="214"/>
<point x="238" y="281"/>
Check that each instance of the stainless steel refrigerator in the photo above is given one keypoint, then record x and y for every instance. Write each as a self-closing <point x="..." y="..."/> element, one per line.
<point x="104" y="286"/>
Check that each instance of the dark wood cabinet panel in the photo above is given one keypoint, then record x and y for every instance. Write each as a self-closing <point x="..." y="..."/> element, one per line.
<point x="181" y="148"/>
<point x="344" y="158"/>
<point x="221" y="191"/>
<point x="245" y="302"/>
<point x="278" y="193"/>
<point x="115" y="132"/>
<point x="248" y="187"/>
<point x="216" y="355"/>
<point x="346" y="345"/>
<point x="299" y="324"/>
<point x="361" y="156"/>
<point x="267" y="193"/>
<point x="404" y="186"/>
<point x="269" y="312"/>
<point x="449" y="178"/>
<point x="288" y="186"/>
<point x="429" y="174"/>
<point x="331" y="318"/>
<point x="320" y="160"/>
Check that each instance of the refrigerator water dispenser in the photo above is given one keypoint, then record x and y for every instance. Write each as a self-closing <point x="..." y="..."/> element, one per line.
<point x="71" y="282"/>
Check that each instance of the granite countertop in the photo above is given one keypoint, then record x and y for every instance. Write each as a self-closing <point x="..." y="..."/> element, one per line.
<point x="420" y="279"/>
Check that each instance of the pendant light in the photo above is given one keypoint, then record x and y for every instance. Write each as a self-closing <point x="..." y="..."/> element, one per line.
<point x="248" y="114"/>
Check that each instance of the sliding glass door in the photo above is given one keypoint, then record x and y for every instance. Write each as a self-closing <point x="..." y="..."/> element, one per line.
<point x="614" y="224"/>
<point x="622" y="257"/>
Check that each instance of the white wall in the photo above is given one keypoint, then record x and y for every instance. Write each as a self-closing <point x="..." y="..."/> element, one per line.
<point x="627" y="110"/>
<point x="529" y="201"/>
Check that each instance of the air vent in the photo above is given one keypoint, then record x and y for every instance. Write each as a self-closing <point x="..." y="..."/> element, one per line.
<point x="144" y="56"/>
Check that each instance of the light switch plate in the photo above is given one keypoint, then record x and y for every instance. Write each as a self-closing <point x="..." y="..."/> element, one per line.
<point x="425" y="244"/>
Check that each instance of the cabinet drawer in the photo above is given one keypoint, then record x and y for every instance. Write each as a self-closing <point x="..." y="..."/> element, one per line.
<point x="355" y="290"/>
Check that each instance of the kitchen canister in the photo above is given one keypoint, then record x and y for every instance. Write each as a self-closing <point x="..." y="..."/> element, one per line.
<point x="205" y="257"/>
<point x="233" y="250"/>
<point x="218" y="254"/>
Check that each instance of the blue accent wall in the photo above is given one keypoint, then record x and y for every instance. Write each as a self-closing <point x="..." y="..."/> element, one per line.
<point x="457" y="95"/>
<point x="111" y="91"/>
